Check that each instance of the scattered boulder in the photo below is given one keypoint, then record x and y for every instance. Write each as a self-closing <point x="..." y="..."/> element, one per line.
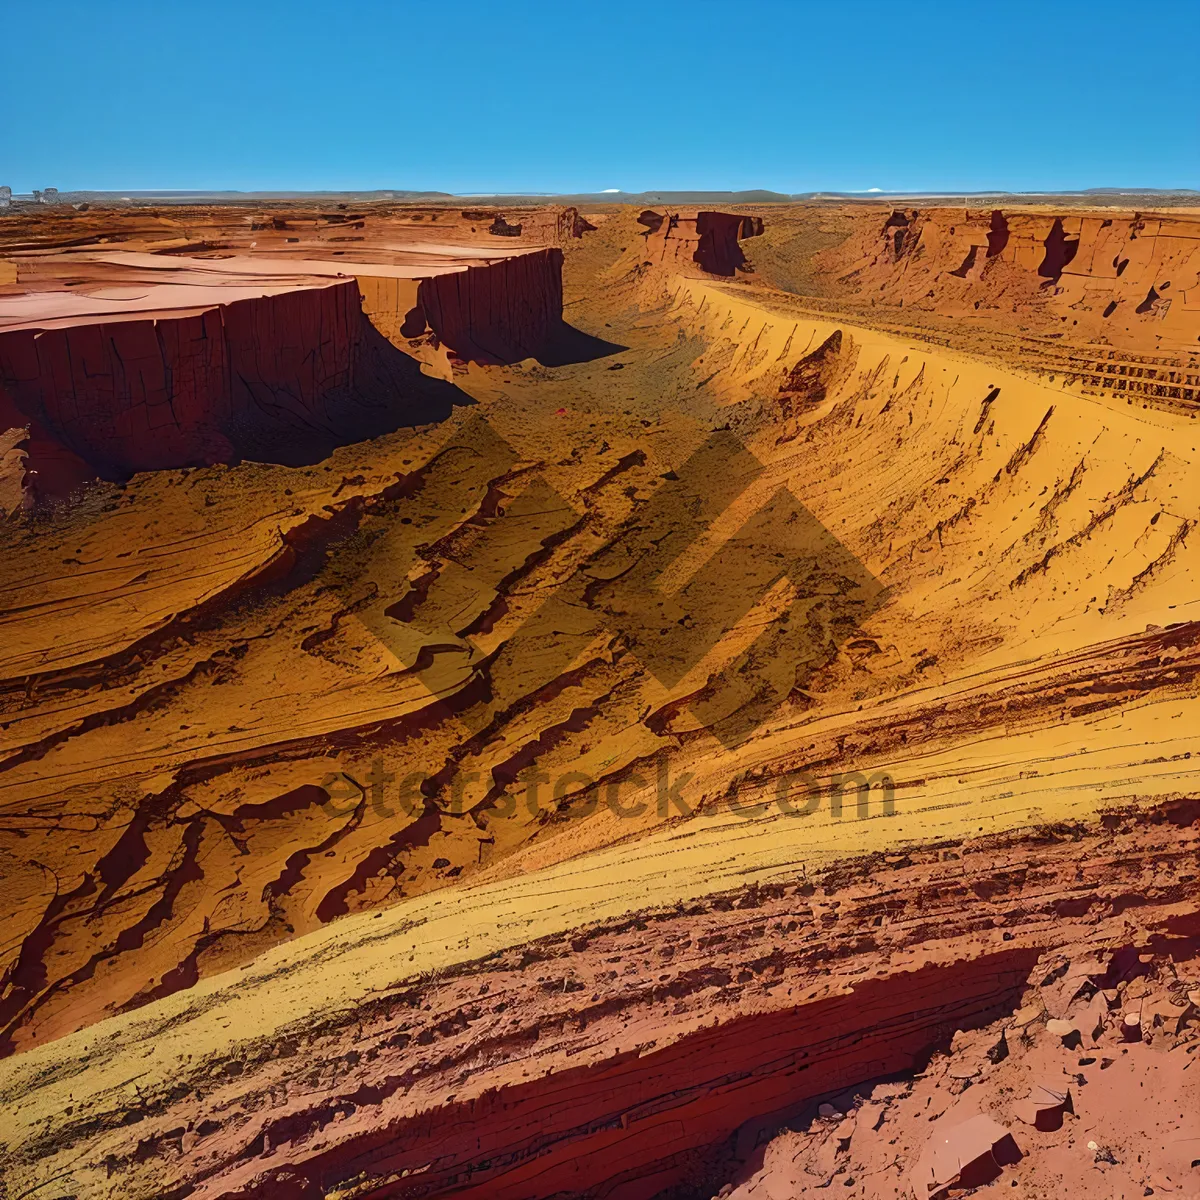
<point x="965" y="1155"/>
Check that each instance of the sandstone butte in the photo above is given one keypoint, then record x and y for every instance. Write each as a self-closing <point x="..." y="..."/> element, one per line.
<point x="636" y="704"/>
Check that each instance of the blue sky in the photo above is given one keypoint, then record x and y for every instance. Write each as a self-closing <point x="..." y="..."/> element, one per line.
<point x="466" y="96"/>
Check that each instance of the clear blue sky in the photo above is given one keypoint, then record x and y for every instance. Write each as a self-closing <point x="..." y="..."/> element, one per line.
<point x="467" y="96"/>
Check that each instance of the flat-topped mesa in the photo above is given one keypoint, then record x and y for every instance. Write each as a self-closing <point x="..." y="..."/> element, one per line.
<point x="707" y="240"/>
<point x="161" y="361"/>
<point x="185" y="376"/>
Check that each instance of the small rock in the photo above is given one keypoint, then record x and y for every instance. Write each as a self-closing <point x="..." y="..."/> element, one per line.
<point x="965" y="1155"/>
<point x="1067" y="1031"/>
<point x="1045" y="1107"/>
<point x="828" y="1111"/>
<point x="1027" y="1015"/>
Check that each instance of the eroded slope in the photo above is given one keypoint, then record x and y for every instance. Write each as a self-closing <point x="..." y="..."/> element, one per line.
<point x="620" y="634"/>
<point x="303" y="693"/>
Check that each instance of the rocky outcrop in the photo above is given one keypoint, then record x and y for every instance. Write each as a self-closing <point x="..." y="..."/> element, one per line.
<point x="704" y="240"/>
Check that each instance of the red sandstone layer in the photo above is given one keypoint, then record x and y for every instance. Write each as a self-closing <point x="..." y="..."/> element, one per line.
<point x="618" y="1060"/>
<point x="208" y="385"/>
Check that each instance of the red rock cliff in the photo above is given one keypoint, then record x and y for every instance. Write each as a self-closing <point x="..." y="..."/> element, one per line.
<point x="283" y="377"/>
<point x="278" y="376"/>
<point x="499" y="313"/>
<point x="1129" y="279"/>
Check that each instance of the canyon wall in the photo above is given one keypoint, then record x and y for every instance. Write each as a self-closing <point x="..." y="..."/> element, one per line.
<point x="1130" y="279"/>
<point x="499" y="313"/>
<point x="284" y="376"/>
<point x="279" y="377"/>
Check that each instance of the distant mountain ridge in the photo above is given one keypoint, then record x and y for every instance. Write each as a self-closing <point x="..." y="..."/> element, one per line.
<point x="678" y="197"/>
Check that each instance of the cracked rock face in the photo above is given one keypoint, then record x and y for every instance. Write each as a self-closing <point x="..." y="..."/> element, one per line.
<point x="535" y="758"/>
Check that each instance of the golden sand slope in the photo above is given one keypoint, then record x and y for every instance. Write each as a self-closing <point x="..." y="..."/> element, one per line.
<point x="165" y="757"/>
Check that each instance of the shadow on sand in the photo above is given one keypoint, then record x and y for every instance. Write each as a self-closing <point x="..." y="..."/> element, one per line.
<point x="570" y="345"/>
<point x="386" y="391"/>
